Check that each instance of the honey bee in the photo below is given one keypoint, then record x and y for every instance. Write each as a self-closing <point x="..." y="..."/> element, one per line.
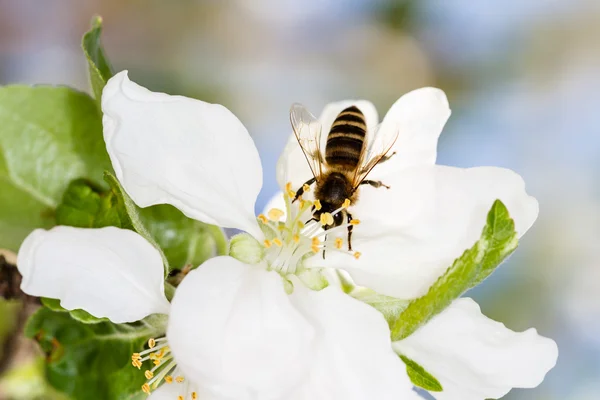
<point x="344" y="166"/>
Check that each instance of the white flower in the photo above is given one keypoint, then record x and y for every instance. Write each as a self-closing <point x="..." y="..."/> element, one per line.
<point x="411" y="233"/>
<point x="233" y="330"/>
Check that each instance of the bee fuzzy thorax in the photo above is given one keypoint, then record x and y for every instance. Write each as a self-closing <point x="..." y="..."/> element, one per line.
<point x="302" y="235"/>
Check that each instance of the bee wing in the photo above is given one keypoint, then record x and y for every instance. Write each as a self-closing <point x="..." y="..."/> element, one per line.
<point x="377" y="148"/>
<point x="308" y="133"/>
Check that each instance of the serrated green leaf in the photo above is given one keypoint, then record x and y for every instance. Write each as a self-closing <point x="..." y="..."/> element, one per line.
<point x="53" y="304"/>
<point x="390" y="307"/>
<point x="90" y="361"/>
<point x="48" y="137"/>
<point x="99" y="68"/>
<point x="419" y="377"/>
<point x="498" y="240"/>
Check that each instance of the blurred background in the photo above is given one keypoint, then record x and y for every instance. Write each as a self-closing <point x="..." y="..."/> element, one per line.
<point x="522" y="77"/>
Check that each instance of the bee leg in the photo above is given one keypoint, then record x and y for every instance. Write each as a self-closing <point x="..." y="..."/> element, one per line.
<point x="385" y="158"/>
<point x="375" y="184"/>
<point x="300" y="191"/>
<point x="350" y="227"/>
<point x="324" y="247"/>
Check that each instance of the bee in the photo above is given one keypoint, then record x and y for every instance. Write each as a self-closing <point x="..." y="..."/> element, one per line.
<point x="343" y="168"/>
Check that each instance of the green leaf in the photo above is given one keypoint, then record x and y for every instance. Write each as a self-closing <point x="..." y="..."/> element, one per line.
<point x="99" y="68"/>
<point x="390" y="307"/>
<point x="90" y="361"/>
<point x="48" y="137"/>
<point x="498" y="240"/>
<point x="85" y="205"/>
<point x="419" y="377"/>
<point x="184" y="240"/>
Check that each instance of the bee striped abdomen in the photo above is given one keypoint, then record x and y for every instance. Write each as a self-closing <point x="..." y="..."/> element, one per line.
<point x="346" y="138"/>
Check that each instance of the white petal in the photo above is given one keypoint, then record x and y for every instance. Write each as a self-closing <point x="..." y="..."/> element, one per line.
<point x="185" y="152"/>
<point x="232" y="326"/>
<point x="419" y="117"/>
<point x="108" y="272"/>
<point x="354" y="359"/>
<point x="474" y="357"/>
<point x="410" y="234"/>
<point x="292" y="165"/>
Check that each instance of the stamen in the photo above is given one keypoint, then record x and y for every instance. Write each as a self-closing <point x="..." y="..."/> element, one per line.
<point x="288" y="186"/>
<point x="263" y="219"/>
<point x="346" y="203"/>
<point x="296" y="238"/>
<point x="151" y="343"/>
<point x="357" y="254"/>
<point x="277" y="242"/>
<point x="180" y="397"/>
<point x="146" y="388"/>
<point x="149" y="374"/>
<point x="275" y="214"/>
<point x="179" y="379"/>
<point x="169" y="379"/>
<point x="267" y="243"/>
<point x="326" y="219"/>
<point x="194" y="396"/>
<point x="354" y="222"/>
<point x="339" y="242"/>
<point x="317" y="205"/>
<point x="306" y="188"/>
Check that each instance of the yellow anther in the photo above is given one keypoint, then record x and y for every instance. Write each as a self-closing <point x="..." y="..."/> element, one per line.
<point x="317" y="205"/>
<point x="339" y="242"/>
<point x="306" y="188"/>
<point x="315" y="249"/>
<point x="326" y="219"/>
<point x="135" y="355"/>
<point x="357" y="254"/>
<point x="274" y="214"/>
<point x="194" y="395"/>
<point x="267" y="243"/>
<point x="146" y="388"/>
<point x="151" y="343"/>
<point x="156" y="362"/>
<point x="354" y="221"/>
<point x="296" y="238"/>
<point x="316" y="241"/>
<point x="169" y="379"/>
<point x="291" y="193"/>
<point x="277" y="242"/>
<point x="281" y="227"/>
<point x="288" y="186"/>
<point x="300" y="224"/>
<point x="263" y="219"/>
<point x="180" y="397"/>
<point x="346" y="203"/>
<point x="137" y="364"/>
<point x="149" y="374"/>
<point x="179" y="379"/>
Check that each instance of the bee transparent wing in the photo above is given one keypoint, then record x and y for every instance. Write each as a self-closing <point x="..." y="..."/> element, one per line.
<point x="376" y="150"/>
<point x="308" y="133"/>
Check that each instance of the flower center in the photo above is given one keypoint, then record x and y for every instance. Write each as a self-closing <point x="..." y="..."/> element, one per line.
<point x="164" y="368"/>
<point x="302" y="235"/>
